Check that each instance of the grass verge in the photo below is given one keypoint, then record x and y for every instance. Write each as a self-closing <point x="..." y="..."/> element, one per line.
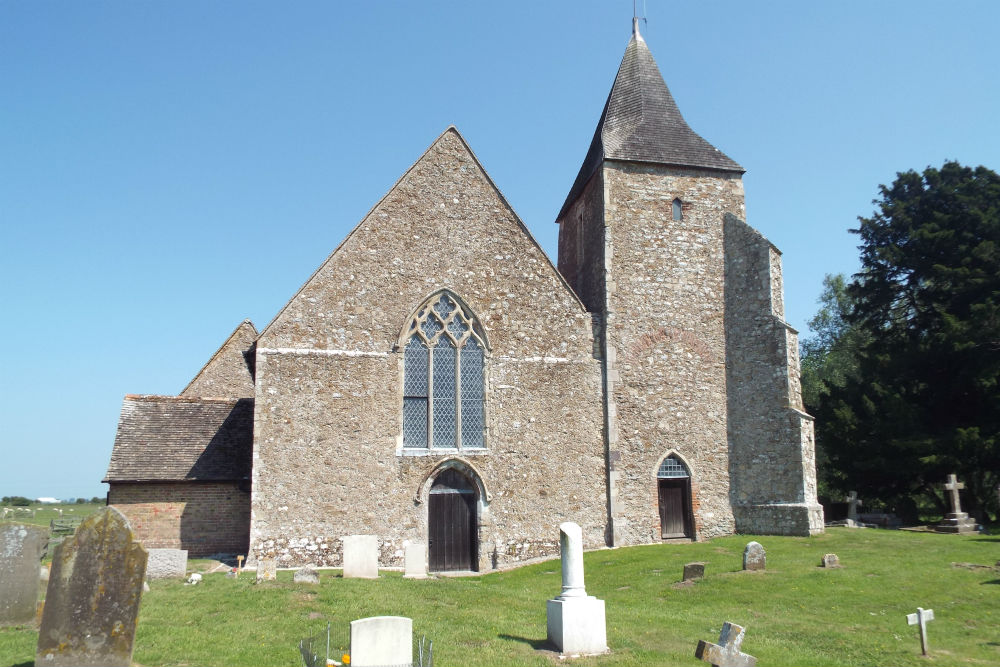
<point x="795" y="612"/>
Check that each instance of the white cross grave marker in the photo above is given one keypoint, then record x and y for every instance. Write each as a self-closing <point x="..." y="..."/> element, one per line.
<point x="921" y="618"/>
<point x="727" y="652"/>
<point x="953" y="487"/>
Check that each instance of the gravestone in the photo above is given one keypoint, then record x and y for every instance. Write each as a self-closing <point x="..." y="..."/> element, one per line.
<point x="415" y="561"/>
<point x="727" y="652"/>
<point x="921" y="618"/>
<point x="830" y="560"/>
<point x="381" y="640"/>
<point x="21" y="549"/>
<point x="360" y="557"/>
<point x="853" y="503"/>
<point x="754" y="557"/>
<point x="306" y="575"/>
<point x="167" y="564"/>
<point x="693" y="571"/>
<point x="955" y="521"/>
<point x="575" y="620"/>
<point x="267" y="569"/>
<point x="92" y="601"/>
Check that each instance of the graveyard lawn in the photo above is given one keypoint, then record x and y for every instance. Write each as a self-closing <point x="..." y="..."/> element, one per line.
<point x="795" y="612"/>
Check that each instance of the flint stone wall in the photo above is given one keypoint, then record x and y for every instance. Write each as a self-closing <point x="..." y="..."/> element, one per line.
<point x="772" y="450"/>
<point x="328" y="456"/>
<point x="664" y="333"/>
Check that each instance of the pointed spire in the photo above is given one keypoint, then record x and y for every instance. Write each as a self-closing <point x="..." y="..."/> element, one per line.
<point x="641" y="123"/>
<point x="635" y="29"/>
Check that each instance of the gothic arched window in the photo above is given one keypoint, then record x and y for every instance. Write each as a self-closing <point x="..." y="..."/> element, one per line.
<point x="443" y="377"/>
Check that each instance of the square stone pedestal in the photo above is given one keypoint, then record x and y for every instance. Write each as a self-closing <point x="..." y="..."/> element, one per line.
<point x="956" y="522"/>
<point x="576" y="626"/>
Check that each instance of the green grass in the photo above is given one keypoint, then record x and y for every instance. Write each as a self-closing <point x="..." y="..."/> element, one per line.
<point x="41" y="515"/>
<point x="795" y="613"/>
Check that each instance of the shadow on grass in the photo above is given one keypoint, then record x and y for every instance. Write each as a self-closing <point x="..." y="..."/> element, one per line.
<point x="986" y="539"/>
<point x="993" y="581"/>
<point x="30" y="663"/>
<point x="537" y="644"/>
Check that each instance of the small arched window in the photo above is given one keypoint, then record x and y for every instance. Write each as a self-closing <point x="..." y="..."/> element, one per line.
<point x="672" y="468"/>
<point x="678" y="209"/>
<point x="443" y="377"/>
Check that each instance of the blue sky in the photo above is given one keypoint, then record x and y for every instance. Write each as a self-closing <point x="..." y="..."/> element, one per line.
<point x="168" y="169"/>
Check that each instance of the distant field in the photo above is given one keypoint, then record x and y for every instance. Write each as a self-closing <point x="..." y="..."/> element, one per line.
<point x="41" y="515"/>
<point x="796" y="613"/>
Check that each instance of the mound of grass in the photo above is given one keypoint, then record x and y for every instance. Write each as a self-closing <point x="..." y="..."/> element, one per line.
<point x="795" y="612"/>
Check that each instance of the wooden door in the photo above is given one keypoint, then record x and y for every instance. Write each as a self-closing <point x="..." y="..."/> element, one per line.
<point x="453" y="538"/>
<point x="674" y="501"/>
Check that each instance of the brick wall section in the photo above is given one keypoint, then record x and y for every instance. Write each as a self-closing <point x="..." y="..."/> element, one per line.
<point x="203" y="517"/>
<point x="772" y="452"/>
<point x="328" y="459"/>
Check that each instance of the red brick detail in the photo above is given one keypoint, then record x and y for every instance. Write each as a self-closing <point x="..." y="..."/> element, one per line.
<point x="203" y="517"/>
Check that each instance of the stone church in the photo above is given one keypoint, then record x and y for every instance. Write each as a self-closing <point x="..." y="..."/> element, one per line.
<point x="438" y="380"/>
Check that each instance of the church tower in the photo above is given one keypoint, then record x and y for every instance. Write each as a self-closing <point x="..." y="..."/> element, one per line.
<point x="648" y="237"/>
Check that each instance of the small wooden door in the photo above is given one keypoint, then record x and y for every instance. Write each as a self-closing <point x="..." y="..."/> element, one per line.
<point x="675" y="499"/>
<point x="453" y="540"/>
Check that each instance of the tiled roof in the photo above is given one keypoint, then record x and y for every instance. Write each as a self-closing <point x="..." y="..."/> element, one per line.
<point x="170" y="438"/>
<point x="641" y="123"/>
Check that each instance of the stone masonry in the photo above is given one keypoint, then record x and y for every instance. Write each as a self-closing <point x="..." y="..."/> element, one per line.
<point x="329" y="381"/>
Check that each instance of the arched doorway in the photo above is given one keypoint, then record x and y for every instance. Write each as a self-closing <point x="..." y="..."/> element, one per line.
<point x="452" y="525"/>
<point x="674" y="490"/>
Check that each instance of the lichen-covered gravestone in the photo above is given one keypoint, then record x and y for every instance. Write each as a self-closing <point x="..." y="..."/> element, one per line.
<point x="21" y="548"/>
<point x="267" y="569"/>
<point x="693" y="571"/>
<point x="306" y="575"/>
<point x="754" y="556"/>
<point x="167" y="564"/>
<point x="92" y="601"/>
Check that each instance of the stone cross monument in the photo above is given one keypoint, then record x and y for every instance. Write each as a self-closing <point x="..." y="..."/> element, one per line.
<point x="576" y="624"/>
<point x="727" y="652"/>
<point x="955" y="521"/>
<point x="853" y="503"/>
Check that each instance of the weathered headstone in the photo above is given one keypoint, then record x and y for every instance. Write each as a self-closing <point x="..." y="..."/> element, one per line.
<point x="167" y="564"/>
<point x="693" y="571"/>
<point x="830" y="560"/>
<point x="754" y="556"/>
<point x="306" y="575"/>
<point x="956" y="521"/>
<point x="381" y="640"/>
<point x="92" y="601"/>
<point x="727" y="652"/>
<point x="267" y="569"/>
<point x="853" y="503"/>
<point x="21" y="549"/>
<point x="360" y="556"/>
<point x="921" y="618"/>
<point x="415" y="560"/>
<point x="575" y="621"/>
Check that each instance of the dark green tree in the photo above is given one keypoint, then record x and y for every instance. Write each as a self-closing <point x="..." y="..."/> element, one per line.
<point x="925" y="399"/>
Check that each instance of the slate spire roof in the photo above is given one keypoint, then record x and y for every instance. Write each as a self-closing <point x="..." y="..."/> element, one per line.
<point x="641" y="123"/>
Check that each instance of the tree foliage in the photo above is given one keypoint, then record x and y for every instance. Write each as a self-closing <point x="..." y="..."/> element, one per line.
<point x="918" y="396"/>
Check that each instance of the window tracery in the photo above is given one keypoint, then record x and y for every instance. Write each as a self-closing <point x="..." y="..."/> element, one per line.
<point x="443" y="378"/>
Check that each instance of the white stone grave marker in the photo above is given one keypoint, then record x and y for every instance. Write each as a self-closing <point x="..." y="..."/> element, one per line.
<point x="727" y="652"/>
<point x="921" y="618"/>
<point x="360" y="556"/>
<point x="575" y="620"/>
<point x="381" y="640"/>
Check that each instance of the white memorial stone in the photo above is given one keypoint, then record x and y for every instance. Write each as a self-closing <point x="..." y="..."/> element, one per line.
<point x="360" y="556"/>
<point x="575" y="620"/>
<point x="381" y="640"/>
<point x="921" y="618"/>
<point x="166" y="564"/>
<point x="415" y="561"/>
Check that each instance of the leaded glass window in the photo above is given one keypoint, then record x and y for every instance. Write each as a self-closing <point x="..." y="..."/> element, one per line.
<point x="671" y="468"/>
<point x="444" y="377"/>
